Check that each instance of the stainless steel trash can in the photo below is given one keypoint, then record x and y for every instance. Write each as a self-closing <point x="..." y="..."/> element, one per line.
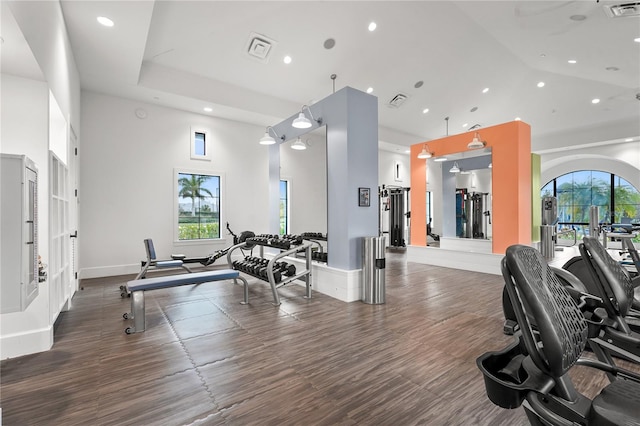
<point x="373" y="267"/>
<point x="547" y="245"/>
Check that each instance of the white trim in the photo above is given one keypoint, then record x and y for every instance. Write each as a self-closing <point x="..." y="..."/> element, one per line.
<point x="223" y="191"/>
<point x="488" y="263"/>
<point x="207" y="144"/>
<point x="25" y="343"/>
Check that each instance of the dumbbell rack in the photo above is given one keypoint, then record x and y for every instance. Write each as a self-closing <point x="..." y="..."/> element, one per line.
<point x="303" y="275"/>
<point x="315" y="238"/>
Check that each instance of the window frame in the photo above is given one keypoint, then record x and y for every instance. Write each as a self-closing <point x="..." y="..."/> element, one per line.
<point x="176" y="206"/>
<point x="287" y="223"/>
<point x="194" y="131"/>
<point x="613" y="179"/>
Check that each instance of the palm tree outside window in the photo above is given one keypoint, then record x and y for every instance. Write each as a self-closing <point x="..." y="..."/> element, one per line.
<point x="617" y="199"/>
<point x="198" y="206"/>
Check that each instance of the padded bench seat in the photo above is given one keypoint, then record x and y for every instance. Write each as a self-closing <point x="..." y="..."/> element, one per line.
<point x="139" y="286"/>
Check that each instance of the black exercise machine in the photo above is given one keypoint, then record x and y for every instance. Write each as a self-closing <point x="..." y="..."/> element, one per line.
<point x="532" y="372"/>
<point x="209" y="260"/>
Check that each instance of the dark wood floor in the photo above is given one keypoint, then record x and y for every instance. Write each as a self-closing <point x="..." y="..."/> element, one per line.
<point x="207" y="360"/>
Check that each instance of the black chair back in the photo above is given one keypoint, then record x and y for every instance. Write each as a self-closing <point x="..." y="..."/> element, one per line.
<point x="615" y="284"/>
<point x="535" y="291"/>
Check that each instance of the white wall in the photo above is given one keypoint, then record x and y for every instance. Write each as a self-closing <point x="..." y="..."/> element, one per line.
<point x="307" y="173"/>
<point x="127" y="181"/>
<point x="24" y="131"/>
<point x="623" y="159"/>
<point x="25" y="127"/>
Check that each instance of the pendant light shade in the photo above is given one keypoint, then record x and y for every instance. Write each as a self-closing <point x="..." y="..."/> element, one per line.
<point x="267" y="139"/>
<point x="455" y="168"/>
<point x="424" y="154"/>
<point x="302" y="122"/>
<point x="298" y="145"/>
<point x="476" y="143"/>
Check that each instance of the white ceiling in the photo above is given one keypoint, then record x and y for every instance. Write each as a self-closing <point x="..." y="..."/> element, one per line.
<point x="189" y="55"/>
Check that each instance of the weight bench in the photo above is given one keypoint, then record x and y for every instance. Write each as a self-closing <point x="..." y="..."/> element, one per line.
<point x="154" y="263"/>
<point x="137" y="288"/>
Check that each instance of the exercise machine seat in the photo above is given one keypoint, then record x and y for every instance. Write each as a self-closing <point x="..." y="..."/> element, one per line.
<point x="532" y="371"/>
<point x="615" y="283"/>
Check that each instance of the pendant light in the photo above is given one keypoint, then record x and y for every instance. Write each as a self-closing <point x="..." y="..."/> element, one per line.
<point x="476" y="143"/>
<point x="455" y="168"/>
<point x="302" y="122"/>
<point x="424" y="154"/>
<point x="298" y="145"/>
<point x="267" y="139"/>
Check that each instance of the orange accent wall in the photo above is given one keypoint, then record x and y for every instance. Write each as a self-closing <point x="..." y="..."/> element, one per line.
<point x="510" y="182"/>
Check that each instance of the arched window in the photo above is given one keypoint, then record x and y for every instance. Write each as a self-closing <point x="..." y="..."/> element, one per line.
<point x="617" y="199"/>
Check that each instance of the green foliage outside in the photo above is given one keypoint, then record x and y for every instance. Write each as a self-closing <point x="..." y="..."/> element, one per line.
<point x="196" y="231"/>
<point x="201" y="221"/>
<point x="575" y="198"/>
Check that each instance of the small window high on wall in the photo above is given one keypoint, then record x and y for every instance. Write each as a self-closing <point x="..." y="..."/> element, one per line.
<point x="200" y="144"/>
<point x="198" y="205"/>
<point x="617" y="199"/>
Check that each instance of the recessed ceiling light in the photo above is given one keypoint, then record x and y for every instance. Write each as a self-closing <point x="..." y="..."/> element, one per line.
<point x="541" y="84"/>
<point x="329" y="43"/>
<point x="105" y="21"/>
<point x="628" y="140"/>
<point x="370" y="89"/>
<point x="287" y="59"/>
<point x="372" y="26"/>
<point x="474" y="109"/>
<point x="612" y="69"/>
<point x="543" y="55"/>
<point x="407" y="151"/>
<point x="577" y="17"/>
<point x="637" y="39"/>
<point x="418" y="84"/>
<point x="595" y="101"/>
<point x="439" y="159"/>
<point x="208" y="109"/>
<point x="465" y="124"/>
<point x="485" y="90"/>
<point x="517" y="119"/>
<point x="572" y="61"/>
<point x="426" y="110"/>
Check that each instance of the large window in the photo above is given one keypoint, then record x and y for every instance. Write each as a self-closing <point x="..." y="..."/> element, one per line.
<point x="198" y="206"/>
<point x="617" y="199"/>
<point x="284" y="207"/>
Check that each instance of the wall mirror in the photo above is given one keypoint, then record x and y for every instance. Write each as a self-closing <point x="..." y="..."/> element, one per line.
<point x="460" y="194"/>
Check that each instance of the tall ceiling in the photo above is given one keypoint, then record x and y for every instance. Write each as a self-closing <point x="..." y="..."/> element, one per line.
<point x="192" y="55"/>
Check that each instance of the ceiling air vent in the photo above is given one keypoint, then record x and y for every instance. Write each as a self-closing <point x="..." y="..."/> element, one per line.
<point x="622" y="10"/>
<point x="259" y="47"/>
<point x="397" y="100"/>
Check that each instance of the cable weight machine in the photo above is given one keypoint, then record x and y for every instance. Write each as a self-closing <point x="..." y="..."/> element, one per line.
<point x="394" y="202"/>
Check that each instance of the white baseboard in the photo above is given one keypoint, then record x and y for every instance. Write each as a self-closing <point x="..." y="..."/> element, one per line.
<point x="337" y="283"/>
<point x="25" y="343"/>
<point x="108" y="271"/>
<point x="488" y="263"/>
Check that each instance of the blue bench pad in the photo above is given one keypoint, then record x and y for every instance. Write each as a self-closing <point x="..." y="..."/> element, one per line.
<point x="182" y="279"/>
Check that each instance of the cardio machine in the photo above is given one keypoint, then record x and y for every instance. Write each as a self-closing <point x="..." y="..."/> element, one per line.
<point x="532" y="372"/>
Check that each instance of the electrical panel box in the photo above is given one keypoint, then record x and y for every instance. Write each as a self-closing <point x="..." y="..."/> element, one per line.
<point x="18" y="232"/>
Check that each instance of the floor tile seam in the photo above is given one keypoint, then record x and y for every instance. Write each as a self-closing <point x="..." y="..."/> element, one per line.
<point x="204" y="420"/>
<point x="192" y="361"/>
